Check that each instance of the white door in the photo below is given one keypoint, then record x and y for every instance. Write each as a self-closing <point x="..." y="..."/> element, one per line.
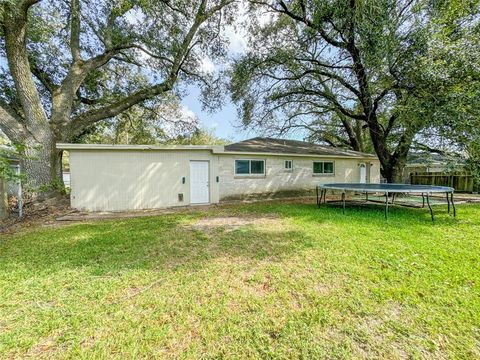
<point x="199" y="186"/>
<point x="363" y="173"/>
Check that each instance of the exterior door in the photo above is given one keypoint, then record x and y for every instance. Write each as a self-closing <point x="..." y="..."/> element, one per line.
<point x="199" y="185"/>
<point x="363" y="173"/>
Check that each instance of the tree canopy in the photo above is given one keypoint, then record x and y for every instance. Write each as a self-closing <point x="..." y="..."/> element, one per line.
<point x="72" y="64"/>
<point x="361" y="74"/>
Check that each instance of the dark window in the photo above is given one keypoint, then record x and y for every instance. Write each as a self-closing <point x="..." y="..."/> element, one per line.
<point x="328" y="167"/>
<point x="242" y="167"/>
<point x="323" y="167"/>
<point x="257" y="166"/>
<point x="245" y="167"/>
<point x="288" y="164"/>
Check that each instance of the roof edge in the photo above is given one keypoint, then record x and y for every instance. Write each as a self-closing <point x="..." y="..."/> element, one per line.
<point x="215" y="149"/>
<point x="353" y="156"/>
<point x="69" y="146"/>
<point x="334" y="152"/>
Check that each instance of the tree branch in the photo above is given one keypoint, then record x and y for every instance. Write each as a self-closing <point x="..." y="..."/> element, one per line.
<point x="115" y="13"/>
<point x="86" y="101"/>
<point x="330" y="97"/>
<point x="380" y="96"/>
<point x="218" y="7"/>
<point x="168" y="4"/>
<point x="43" y="77"/>
<point x="425" y="147"/>
<point x="352" y="138"/>
<point x="149" y="53"/>
<point x="322" y="64"/>
<point x="79" y="122"/>
<point x="75" y="29"/>
<point x="26" y="4"/>
<point x="285" y="10"/>
<point x="15" y="29"/>
<point x="391" y="123"/>
<point x="329" y="75"/>
<point x="11" y="123"/>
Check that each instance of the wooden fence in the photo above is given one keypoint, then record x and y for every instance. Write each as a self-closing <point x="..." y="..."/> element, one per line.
<point x="460" y="182"/>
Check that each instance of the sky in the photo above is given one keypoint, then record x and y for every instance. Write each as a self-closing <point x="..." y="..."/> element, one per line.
<point x="224" y="122"/>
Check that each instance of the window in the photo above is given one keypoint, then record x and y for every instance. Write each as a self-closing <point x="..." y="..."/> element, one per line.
<point x="323" y="167"/>
<point x="246" y="167"/>
<point x="242" y="167"/>
<point x="288" y="164"/>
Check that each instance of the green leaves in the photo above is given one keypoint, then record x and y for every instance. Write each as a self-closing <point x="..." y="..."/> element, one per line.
<point x="7" y="156"/>
<point x="400" y="67"/>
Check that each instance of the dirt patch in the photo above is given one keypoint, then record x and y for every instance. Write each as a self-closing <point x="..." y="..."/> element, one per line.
<point x="231" y="223"/>
<point x="36" y="213"/>
<point x="268" y="196"/>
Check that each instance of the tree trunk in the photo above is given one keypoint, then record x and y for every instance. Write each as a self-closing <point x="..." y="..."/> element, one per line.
<point x="392" y="164"/>
<point x="42" y="160"/>
<point x="42" y="163"/>
<point x="393" y="172"/>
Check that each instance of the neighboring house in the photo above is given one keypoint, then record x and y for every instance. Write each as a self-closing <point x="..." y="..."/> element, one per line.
<point x="127" y="177"/>
<point x="423" y="162"/>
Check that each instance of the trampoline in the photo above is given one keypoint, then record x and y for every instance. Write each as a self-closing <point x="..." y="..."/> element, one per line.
<point x="388" y="189"/>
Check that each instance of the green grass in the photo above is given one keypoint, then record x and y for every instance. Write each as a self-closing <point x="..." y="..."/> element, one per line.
<point x="304" y="283"/>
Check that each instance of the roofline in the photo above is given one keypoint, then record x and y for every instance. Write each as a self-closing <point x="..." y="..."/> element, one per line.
<point x="66" y="146"/>
<point x="355" y="156"/>
<point x="428" y="164"/>
<point x="215" y="149"/>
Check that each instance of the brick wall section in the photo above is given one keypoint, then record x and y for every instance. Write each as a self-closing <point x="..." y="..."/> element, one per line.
<point x="278" y="179"/>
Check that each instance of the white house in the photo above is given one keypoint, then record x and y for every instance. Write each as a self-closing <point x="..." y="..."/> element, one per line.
<point x="128" y="177"/>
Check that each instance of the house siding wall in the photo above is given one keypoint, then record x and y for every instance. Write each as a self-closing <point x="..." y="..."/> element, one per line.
<point x="130" y="180"/>
<point x="277" y="178"/>
<point x="119" y="180"/>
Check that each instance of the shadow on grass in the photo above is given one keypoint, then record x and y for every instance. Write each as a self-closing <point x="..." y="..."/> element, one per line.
<point x="371" y="214"/>
<point x="158" y="243"/>
<point x="165" y="242"/>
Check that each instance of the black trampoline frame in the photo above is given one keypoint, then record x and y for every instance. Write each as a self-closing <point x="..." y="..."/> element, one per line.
<point x="387" y="189"/>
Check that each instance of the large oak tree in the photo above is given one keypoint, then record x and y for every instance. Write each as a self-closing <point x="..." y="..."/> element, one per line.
<point x="343" y="69"/>
<point x="73" y="63"/>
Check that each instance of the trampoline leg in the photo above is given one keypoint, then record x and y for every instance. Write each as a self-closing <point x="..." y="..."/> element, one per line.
<point x="343" y="201"/>
<point x="318" y="200"/>
<point x="393" y="198"/>
<point x="386" y="205"/>
<point x="448" y="202"/>
<point x="453" y="204"/>
<point x="423" y="200"/>
<point x="325" y="196"/>
<point x="366" y="197"/>
<point x="430" y="207"/>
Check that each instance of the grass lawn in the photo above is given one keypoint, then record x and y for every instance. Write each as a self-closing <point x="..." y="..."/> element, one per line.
<point x="281" y="280"/>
